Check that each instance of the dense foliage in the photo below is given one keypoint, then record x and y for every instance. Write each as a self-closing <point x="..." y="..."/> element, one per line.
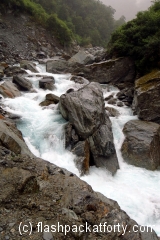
<point x="140" y="39"/>
<point x="87" y="21"/>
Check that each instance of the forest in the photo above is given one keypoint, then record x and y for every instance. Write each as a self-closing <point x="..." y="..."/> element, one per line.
<point x="139" y="39"/>
<point x="86" y="21"/>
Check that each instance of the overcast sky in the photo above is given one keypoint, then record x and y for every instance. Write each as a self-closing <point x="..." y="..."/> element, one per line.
<point x="128" y="8"/>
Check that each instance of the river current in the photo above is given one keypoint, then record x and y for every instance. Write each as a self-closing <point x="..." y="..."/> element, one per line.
<point x="136" y="190"/>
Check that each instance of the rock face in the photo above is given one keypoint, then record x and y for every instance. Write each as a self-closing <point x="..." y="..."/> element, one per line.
<point x="85" y="110"/>
<point x="38" y="192"/>
<point x="47" y="83"/>
<point x="22" y="83"/>
<point x="11" y="138"/>
<point x="120" y="72"/>
<point x="141" y="146"/>
<point x="147" y="97"/>
<point x="82" y="57"/>
<point x="82" y="160"/>
<point x="8" y="89"/>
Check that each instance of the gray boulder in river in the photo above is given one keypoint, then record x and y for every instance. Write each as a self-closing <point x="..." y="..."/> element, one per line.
<point x="141" y="146"/>
<point x="85" y="110"/>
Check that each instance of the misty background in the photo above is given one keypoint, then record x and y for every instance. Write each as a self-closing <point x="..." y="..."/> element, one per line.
<point x="128" y="8"/>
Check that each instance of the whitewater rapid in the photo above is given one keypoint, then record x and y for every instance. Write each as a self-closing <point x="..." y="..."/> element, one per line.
<point x="136" y="190"/>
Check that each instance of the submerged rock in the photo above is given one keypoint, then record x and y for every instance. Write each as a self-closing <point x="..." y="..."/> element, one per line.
<point x="141" y="146"/>
<point x="47" y="83"/>
<point x="147" y="97"/>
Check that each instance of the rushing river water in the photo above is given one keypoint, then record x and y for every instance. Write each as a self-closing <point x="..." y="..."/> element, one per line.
<point x="136" y="190"/>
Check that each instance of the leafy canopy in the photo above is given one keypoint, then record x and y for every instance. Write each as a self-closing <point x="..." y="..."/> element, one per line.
<point x="139" y="39"/>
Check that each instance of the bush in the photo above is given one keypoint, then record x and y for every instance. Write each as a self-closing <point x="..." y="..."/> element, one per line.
<point x="139" y="39"/>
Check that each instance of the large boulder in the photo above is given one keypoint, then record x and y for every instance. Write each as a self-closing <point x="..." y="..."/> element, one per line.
<point x="141" y="146"/>
<point x="9" y="90"/>
<point x="120" y="72"/>
<point x="82" y="57"/>
<point x="11" y="138"/>
<point x="56" y="66"/>
<point x="85" y="110"/>
<point x="146" y="102"/>
<point x="22" y="83"/>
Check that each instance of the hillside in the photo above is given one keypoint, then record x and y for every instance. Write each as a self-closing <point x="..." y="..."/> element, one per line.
<point x="87" y="22"/>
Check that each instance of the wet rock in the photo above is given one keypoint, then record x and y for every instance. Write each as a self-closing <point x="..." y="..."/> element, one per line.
<point x="109" y="97"/>
<point x="11" y="138"/>
<point x="56" y="66"/>
<point x="85" y="110"/>
<point x="52" y="97"/>
<point x="82" y="57"/>
<point x="141" y="145"/>
<point x="22" y="83"/>
<point x="112" y="101"/>
<point x="80" y="80"/>
<point x="126" y="95"/>
<point x="82" y="159"/>
<point x="71" y="137"/>
<point x="119" y="104"/>
<point x="112" y="111"/>
<point x="117" y="72"/>
<point x="146" y="102"/>
<point x="13" y="70"/>
<point x="103" y="149"/>
<point x="47" y="83"/>
<point x="28" y="65"/>
<point x="9" y="90"/>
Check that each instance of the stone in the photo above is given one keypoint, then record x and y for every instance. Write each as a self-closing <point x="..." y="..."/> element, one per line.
<point x="146" y="103"/>
<point x="84" y="109"/>
<point x="82" y="159"/>
<point x="80" y="80"/>
<point x="103" y="149"/>
<point x="56" y="66"/>
<point x="71" y="137"/>
<point x="117" y="72"/>
<point x="22" y="83"/>
<point x="47" y="236"/>
<point x="11" y="138"/>
<point x="13" y="70"/>
<point x="9" y="90"/>
<point x="141" y="144"/>
<point x="82" y="57"/>
<point x="47" y="83"/>
<point x="112" y="112"/>
<point x="29" y="66"/>
<point x="52" y="97"/>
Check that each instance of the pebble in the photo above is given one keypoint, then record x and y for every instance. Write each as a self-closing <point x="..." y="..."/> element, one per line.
<point x="47" y="236"/>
